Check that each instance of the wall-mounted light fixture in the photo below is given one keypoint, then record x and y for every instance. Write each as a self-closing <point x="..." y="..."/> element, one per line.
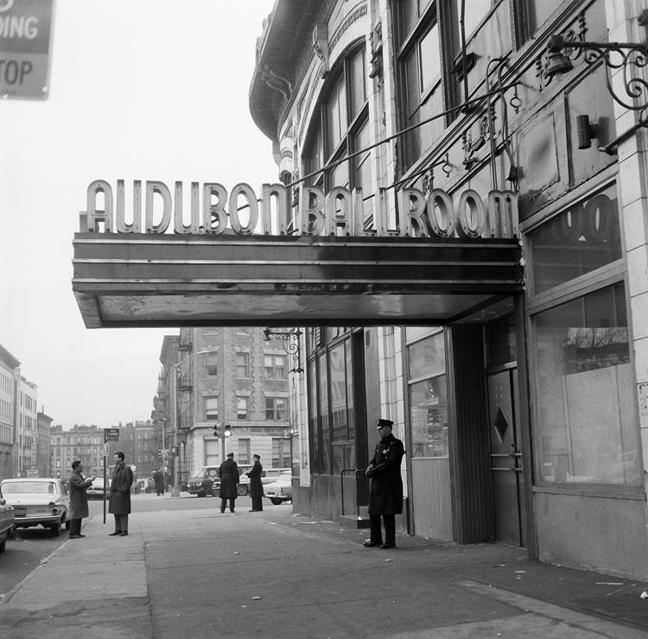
<point x="629" y="57"/>
<point x="290" y="344"/>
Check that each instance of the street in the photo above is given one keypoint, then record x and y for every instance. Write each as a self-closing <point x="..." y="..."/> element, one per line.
<point x="187" y="570"/>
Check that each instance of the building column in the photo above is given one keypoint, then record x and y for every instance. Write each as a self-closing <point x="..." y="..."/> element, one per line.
<point x="633" y="206"/>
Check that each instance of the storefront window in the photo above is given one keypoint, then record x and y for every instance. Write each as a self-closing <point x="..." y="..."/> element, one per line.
<point x="428" y="397"/>
<point x="577" y="241"/>
<point x="331" y="404"/>
<point x="586" y="406"/>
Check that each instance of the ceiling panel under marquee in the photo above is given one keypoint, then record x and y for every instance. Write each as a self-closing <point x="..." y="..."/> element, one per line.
<point x="130" y="280"/>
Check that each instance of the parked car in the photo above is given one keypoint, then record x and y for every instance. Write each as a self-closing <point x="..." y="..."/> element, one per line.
<point x="96" y="491"/>
<point x="279" y="490"/>
<point x="38" y="501"/>
<point x="267" y="475"/>
<point x="204" y="481"/>
<point x="6" y="523"/>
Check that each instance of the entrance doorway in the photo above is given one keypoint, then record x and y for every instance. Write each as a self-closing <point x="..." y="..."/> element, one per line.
<point x="506" y="456"/>
<point x="504" y="431"/>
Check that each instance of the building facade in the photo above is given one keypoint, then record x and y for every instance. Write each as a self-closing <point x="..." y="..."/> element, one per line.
<point x="524" y="419"/>
<point x="226" y="376"/>
<point x="81" y="442"/>
<point x="26" y="434"/>
<point x="460" y="227"/>
<point x="43" y="455"/>
<point x="9" y="374"/>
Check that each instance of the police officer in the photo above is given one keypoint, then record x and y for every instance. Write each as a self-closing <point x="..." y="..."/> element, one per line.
<point x="386" y="494"/>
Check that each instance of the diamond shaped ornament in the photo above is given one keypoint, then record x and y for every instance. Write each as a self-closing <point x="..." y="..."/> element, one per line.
<point x="500" y="425"/>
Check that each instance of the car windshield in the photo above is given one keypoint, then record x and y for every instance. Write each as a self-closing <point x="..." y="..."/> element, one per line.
<point x="29" y="487"/>
<point x="198" y="474"/>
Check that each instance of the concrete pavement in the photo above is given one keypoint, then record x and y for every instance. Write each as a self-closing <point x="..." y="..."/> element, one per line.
<point x="197" y="573"/>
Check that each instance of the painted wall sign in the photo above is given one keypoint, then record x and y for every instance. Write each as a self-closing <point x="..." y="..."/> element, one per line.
<point x="155" y="208"/>
<point x="25" y="35"/>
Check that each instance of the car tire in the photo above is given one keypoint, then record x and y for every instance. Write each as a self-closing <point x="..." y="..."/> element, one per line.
<point x="56" y="529"/>
<point x="201" y="494"/>
<point x="3" y="545"/>
<point x="275" y="501"/>
<point x="242" y="490"/>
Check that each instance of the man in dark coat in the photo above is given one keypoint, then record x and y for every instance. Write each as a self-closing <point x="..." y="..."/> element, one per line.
<point x="158" y="478"/>
<point x="256" y="485"/>
<point x="120" y="501"/>
<point x="386" y="494"/>
<point x="229" y="480"/>
<point x="78" y="499"/>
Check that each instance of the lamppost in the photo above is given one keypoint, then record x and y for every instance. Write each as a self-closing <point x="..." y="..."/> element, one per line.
<point x="175" y="492"/>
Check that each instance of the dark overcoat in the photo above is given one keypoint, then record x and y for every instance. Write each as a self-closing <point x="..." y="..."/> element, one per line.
<point x="256" y="485"/>
<point x="229" y="479"/>
<point x="120" y="487"/>
<point x="386" y="495"/>
<point x="78" y="495"/>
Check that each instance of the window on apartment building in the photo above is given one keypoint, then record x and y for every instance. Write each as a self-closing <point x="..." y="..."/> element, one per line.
<point x="211" y="365"/>
<point x="242" y="407"/>
<point x="275" y="366"/>
<point x="344" y="119"/>
<point x="421" y="71"/>
<point x="243" y="365"/>
<point x="276" y="408"/>
<point x="244" y="451"/>
<point x="280" y="453"/>
<point x="211" y="407"/>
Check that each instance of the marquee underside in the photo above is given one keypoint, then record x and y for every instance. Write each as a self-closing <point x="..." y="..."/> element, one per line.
<point x="129" y="280"/>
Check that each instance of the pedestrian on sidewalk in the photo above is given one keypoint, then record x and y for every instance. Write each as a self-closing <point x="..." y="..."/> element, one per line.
<point x="229" y="480"/>
<point x="120" y="501"/>
<point x="386" y="492"/>
<point x="256" y="485"/>
<point x="78" y="498"/>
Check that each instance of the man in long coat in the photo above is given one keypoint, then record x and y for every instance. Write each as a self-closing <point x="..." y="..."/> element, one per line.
<point x="78" y="499"/>
<point x="120" y="501"/>
<point x="256" y="485"/>
<point x="229" y="480"/>
<point x="386" y="493"/>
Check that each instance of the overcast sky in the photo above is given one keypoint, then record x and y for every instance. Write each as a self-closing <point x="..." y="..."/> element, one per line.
<point x="139" y="89"/>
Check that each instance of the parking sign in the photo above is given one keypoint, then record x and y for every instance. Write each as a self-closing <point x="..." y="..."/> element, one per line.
<point x="25" y="40"/>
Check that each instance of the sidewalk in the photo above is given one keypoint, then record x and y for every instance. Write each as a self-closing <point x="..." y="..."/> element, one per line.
<point x="197" y="573"/>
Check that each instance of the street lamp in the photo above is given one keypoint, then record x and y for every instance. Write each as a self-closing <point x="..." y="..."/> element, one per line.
<point x="175" y="492"/>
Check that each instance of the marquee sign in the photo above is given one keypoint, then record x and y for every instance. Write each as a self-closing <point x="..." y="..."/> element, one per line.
<point x="157" y="209"/>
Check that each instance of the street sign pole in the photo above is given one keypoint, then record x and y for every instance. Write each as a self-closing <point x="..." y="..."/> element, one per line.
<point x="110" y="435"/>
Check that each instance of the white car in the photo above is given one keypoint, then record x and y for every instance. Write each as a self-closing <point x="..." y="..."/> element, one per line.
<point x="96" y="490"/>
<point x="38" y="500"/>
<point x="279" y="490"/>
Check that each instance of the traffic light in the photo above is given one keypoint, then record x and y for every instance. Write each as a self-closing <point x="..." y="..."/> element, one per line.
<point x="228" y="430"/>
<point x="159" y="454"/>
<point x="215" y="430"/>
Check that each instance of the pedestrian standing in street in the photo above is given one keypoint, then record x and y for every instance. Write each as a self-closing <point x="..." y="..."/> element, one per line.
<point x="229" y="480"/>
<point x="256" y="485"/>
<point x="158" y="478"/>
<point x="386" y="493"/>
<point x="78" y="499"/>
<point x="120" y="500"/>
